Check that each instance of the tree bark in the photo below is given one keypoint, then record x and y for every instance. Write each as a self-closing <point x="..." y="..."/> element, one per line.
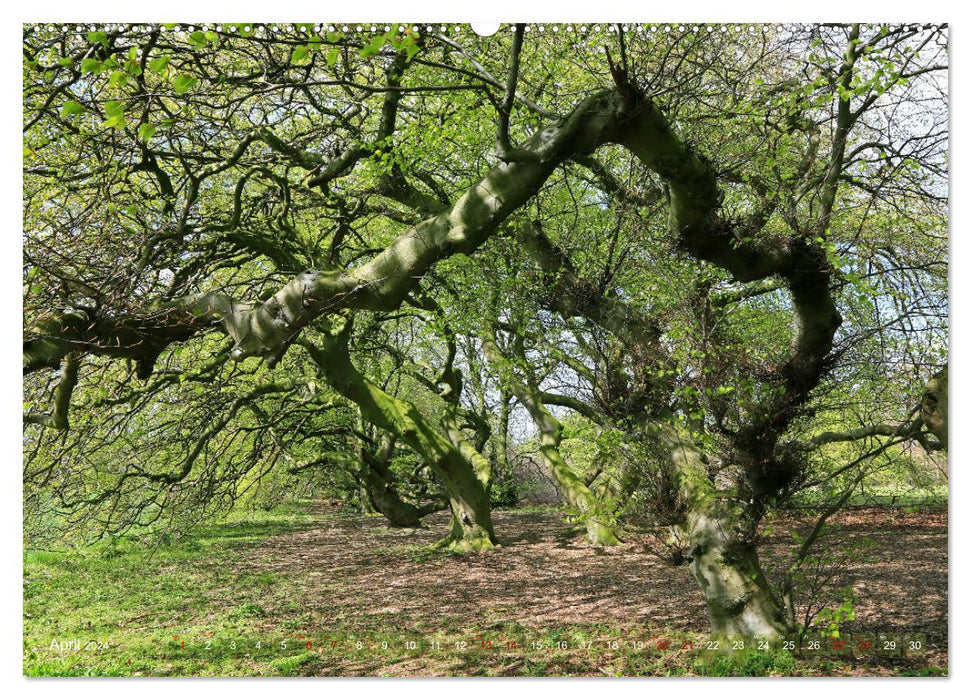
<point x="266" y="329"/>
<point x="933" y="406"/>
<point x="501" y="448"/>
<point x="471" y="526"/>
<point x="726" y="566"/>
<point x="379" y="483"/>
<point x="718" y="533"/>
<point x="575" y="492"/>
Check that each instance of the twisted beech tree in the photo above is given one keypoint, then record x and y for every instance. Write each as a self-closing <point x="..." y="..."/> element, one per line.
<point x="731" y="242"/>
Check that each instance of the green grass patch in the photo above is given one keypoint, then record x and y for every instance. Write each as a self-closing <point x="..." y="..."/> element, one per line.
<point x="749" y="663"/>
<point x="121" y="602"/>
<point x="188" y="608"/>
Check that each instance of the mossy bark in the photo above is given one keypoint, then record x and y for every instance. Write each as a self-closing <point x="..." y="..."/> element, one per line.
<point x="379" y="483"/>
<point x="368" y="507"/>
<point x="719" y="536"/>
<point x="575" y="492"/>
<point x="479" y="464"/>
<point x="725" y="563"/>
<point x="501" y="449"/>
<point x="933" y="406"/>
<point x="471" y="528"/>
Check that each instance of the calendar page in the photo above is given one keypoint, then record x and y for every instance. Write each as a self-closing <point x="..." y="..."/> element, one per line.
<point x="448" y="349"/>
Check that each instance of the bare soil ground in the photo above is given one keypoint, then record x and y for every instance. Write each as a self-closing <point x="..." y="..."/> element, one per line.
<point x="359" y="574"/>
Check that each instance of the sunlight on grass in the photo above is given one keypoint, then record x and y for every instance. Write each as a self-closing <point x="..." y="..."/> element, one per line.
<point x="189" y="608"/>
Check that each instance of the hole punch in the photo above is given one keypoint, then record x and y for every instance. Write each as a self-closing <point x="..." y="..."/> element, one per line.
<point x="486" y="28"/>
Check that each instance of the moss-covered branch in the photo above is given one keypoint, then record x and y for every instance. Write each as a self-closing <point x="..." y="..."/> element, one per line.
<point x="575" y="492"/>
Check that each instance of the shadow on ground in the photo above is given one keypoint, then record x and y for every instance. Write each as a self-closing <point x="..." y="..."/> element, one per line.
<point x="355" y="568"/>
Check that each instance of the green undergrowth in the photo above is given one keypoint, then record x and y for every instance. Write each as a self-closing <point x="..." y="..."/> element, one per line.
<point x="186" y="608"/>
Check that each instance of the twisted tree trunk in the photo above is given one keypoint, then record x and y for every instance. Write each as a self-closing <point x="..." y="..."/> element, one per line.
<point x="933" y="406"/>
<point x="379" y="484"/>
<point x="468" y="495"/>
<point x="575" y="492"/>
<point x="718" y="533"/>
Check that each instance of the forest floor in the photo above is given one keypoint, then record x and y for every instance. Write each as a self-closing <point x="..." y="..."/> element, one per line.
<point x="317" y="592"/>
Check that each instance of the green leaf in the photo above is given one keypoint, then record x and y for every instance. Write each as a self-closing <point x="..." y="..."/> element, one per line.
<point x="116" y="115"/>
<point x="98" y="38"/>
<point x="157" y="65"/>
<point x="118" y="79"/>
<point x="118" y="122"/>
<point x="146" y="131"/>
<point x="71" y="107"/>
<point x="373" y="48"/>
<point x="198" y="39"/>
<point x="409" y="45"/>
<point x="183" y="84"/>
<point x="331" y="57"/>
<point x="301" y="54"/>
<point x="90" y="65"/>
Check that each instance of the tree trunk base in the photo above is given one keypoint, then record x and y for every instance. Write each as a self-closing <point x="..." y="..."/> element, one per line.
<point x="467" y="537"/>
<point x="600" y="535"/>
<point x="466" y="545"/>
<point x="740" y="600"/>
<point x="467" y="542"/>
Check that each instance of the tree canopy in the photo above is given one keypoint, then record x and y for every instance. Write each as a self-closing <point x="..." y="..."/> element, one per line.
<point x="259" y="259"/>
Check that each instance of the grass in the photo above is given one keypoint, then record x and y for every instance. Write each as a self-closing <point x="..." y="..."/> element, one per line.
<point x="750" y="663"/>
<point x="124" y="602"/>
<point x="889" y="495"/>
<point x="185" y="609"/>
